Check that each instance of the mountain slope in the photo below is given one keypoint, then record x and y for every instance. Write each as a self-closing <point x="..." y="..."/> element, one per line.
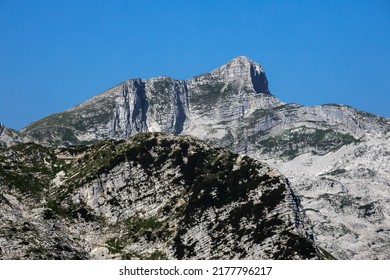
<point x="231" y="106"/>
<point x="9" y="137"/>
<point x="346" y="193"/>
<point x="159" y="104"/>
<point x="152" y="196"/>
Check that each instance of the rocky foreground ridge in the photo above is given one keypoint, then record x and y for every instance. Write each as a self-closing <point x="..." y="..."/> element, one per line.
<point x="152" y="196"/>
<point x="336" y="157"/>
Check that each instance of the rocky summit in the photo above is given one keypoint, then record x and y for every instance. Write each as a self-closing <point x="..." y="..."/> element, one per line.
<point x="335" y="157"/>
<point x="194" y="106"/>
<point x="152" y="196"/>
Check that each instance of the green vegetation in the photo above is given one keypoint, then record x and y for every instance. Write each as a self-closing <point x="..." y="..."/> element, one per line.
<point x="28" y="168"/>
<point x="325" y="254"/>
<point x="294" y="142"/>
<point x="208" y="179"/>
<point x="131" y="230"/>
<point x="336" y="172"/>
<point x="208" y="95"/>
<point x="114" y="245"/>
<point x="156" y="255"/>
<point x="60" y="128"/>
<point x="296" y="245"/>
<point x="138" y="225"/>
<point x="161" y="95"/>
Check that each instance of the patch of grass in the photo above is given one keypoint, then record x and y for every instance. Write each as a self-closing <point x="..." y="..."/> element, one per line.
<point x="325" y="255"/>
<point x="337" y="172"/>
<point x="293" y="142"/>
<point x="114" y="245"/>
<point x="157" y="255"/>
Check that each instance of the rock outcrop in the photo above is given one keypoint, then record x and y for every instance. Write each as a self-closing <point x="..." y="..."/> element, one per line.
<point x="152" y="196"/>
<point x="9" y="137"/>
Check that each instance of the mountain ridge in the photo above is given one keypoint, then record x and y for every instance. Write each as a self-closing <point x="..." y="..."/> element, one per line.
<point x="331" y="153"/>
<point x="152" y="196"/>
<point x="124" y="104"/>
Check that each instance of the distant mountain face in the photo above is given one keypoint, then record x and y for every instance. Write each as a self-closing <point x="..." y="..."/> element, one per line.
<point x="161" y="104"/>
<point x="335" y="156"/>
<point x="230" y="106"/>
<point x="9" y="137"/>
<point x="153" y="196"/>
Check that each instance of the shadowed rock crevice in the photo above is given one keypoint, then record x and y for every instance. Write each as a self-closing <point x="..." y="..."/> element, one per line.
<point x="259" y="80"/>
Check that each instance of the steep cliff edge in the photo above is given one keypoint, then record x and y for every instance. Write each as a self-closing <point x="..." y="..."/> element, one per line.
<point x="160" y="104"/>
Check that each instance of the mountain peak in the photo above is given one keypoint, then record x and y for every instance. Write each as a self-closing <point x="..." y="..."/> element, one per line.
<point x="245" y="72"/>
<point x="241" y="60"/>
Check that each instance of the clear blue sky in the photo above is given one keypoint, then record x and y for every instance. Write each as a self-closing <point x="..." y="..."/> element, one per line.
<point x="56" y="54"/>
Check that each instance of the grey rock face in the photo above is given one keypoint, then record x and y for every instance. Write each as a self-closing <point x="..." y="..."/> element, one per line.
<point x="346" y="195"/>
<point x="160" y="104"/>
<point x="9" y="137"/>
<point x="153" y="196"/>
<point x="130" y="110"/>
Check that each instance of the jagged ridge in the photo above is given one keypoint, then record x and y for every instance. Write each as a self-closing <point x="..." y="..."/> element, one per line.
<point x="157" y="104"/>
<point x="151" y="196"/>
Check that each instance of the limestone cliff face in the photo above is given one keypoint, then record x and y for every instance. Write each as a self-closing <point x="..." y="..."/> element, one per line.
<point x="231" y="106"/>
<point x="153" y="196"/>
<point x="160" y="104"/>
<point x="129" y="116"/>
